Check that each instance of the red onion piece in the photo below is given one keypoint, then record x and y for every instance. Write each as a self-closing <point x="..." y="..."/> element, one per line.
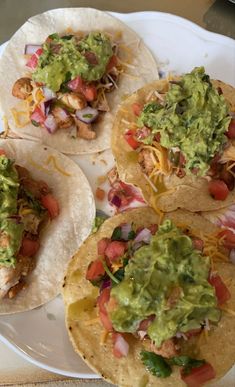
<point x="50" y="123"/>
<point x="48" y="93"/>
<point x="116" y="201"/>
<point x="143" y="236"/>
<point x="87" y="114"/>
<point x="30" y="49"/>
<point x="126" y="229"/>
<point x="105" y="284"/>
<point x="121" y="345"/>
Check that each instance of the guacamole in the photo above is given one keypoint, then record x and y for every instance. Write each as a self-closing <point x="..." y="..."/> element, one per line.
<point x="193" y="118"/>
<point x="10" y="229"/>
<point x="64" y="58"/>
<point x="167" y="279"/>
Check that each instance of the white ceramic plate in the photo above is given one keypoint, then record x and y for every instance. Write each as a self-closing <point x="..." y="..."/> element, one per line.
<point x="178" y="45"/>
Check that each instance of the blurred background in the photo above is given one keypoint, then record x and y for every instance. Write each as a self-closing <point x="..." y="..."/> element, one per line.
<point x="217" y="16"/>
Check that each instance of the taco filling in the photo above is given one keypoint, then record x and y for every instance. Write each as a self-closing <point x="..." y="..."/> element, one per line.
<point x="70" y="76"/>
<point x="186" y="130"/>
<point x="26" y="205"/>
<point x="157" y="284"/>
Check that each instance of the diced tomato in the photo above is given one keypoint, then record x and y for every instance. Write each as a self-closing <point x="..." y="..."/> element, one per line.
<point x="2" y="152"/>
<point x="33" y="61"/>
<point x="198" y="376"/>
<point x="153" y="228"/>
<point x="120" y="345"/>
<point x="137" y="108"/>
<point x="231" y="129"/>
<point x="115" y="250"/>
<point x="129" y="137"/>
<point x="51" y="204"/>
<point x="228" y="240"/>
<point x="95" y="270"/>
<point x="102" y="245"/>
<point x="218" y="189"/>
<point x="90" y="92"/>
<point x="113" y="61"/>
<point x="91" y="57"/>
<point x="221" y="290"/>
<point x="38" y="117"/>
<point x="29" y="247"/>
<point x="198" y="244"/>
<point x="87" y="89"/>
<point x="75" y="84"/>
<point x="102" y="303"/>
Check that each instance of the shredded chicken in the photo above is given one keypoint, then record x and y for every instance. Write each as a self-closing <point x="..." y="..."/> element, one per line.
<point x="9" y="276"/>
<point x="85" y="130"/>
<point x="167" y="350"/>
<point x="22" y="88"/>
<point x="37" y="188"/>
<point x="63" y="119"/>
<point x="74" y="100"/>
<point x="145" y="161"/>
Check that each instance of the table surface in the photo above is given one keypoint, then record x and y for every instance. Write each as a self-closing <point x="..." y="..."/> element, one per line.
<point x="217" y="16"/>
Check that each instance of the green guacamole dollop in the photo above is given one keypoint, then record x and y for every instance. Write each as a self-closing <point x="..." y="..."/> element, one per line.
<point x="10" y="230"/>
<point x="169" y="262"/>
<point x="65" y="59"/>
<point x="194" y="118"/>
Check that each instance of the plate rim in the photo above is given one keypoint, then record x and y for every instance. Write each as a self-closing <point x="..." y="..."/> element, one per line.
<point x="203" y="34"/>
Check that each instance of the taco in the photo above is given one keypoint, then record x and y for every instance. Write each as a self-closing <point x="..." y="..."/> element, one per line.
<point x="43" y="198"/>
<point x="174" y="139"/>
<point x="153" y="305"/>
<point x="79" y="64"/>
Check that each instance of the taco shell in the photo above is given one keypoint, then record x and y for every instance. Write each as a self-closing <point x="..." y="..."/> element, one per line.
<point x="85" y="330"/>
<point x="143" y="69"/>
<point x="189" y="192"/>
<point x="62" y="236"/>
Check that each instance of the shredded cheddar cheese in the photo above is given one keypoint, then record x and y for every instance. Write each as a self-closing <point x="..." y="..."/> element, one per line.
<point x="38" y="166"/>
<point x="104" y="337"/>
<point x="5" y="126"/>
<point x="21" y="118"/>
<point x="227" y="310"/>
<point x="52" y="159"/>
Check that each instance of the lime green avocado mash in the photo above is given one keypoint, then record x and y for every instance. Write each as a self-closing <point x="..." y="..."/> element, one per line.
<point x="65" y="59"/>
<point x="194" y="118"/>
<point x="168" y="279"/>
<point x="10" y="231"/>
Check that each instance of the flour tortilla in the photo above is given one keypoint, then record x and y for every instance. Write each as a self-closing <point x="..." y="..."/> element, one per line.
<point x="35" y="31"/>
<point x="190" y="192"/>
<point x="63" y="236"/>
<point x="80" y="299"/>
